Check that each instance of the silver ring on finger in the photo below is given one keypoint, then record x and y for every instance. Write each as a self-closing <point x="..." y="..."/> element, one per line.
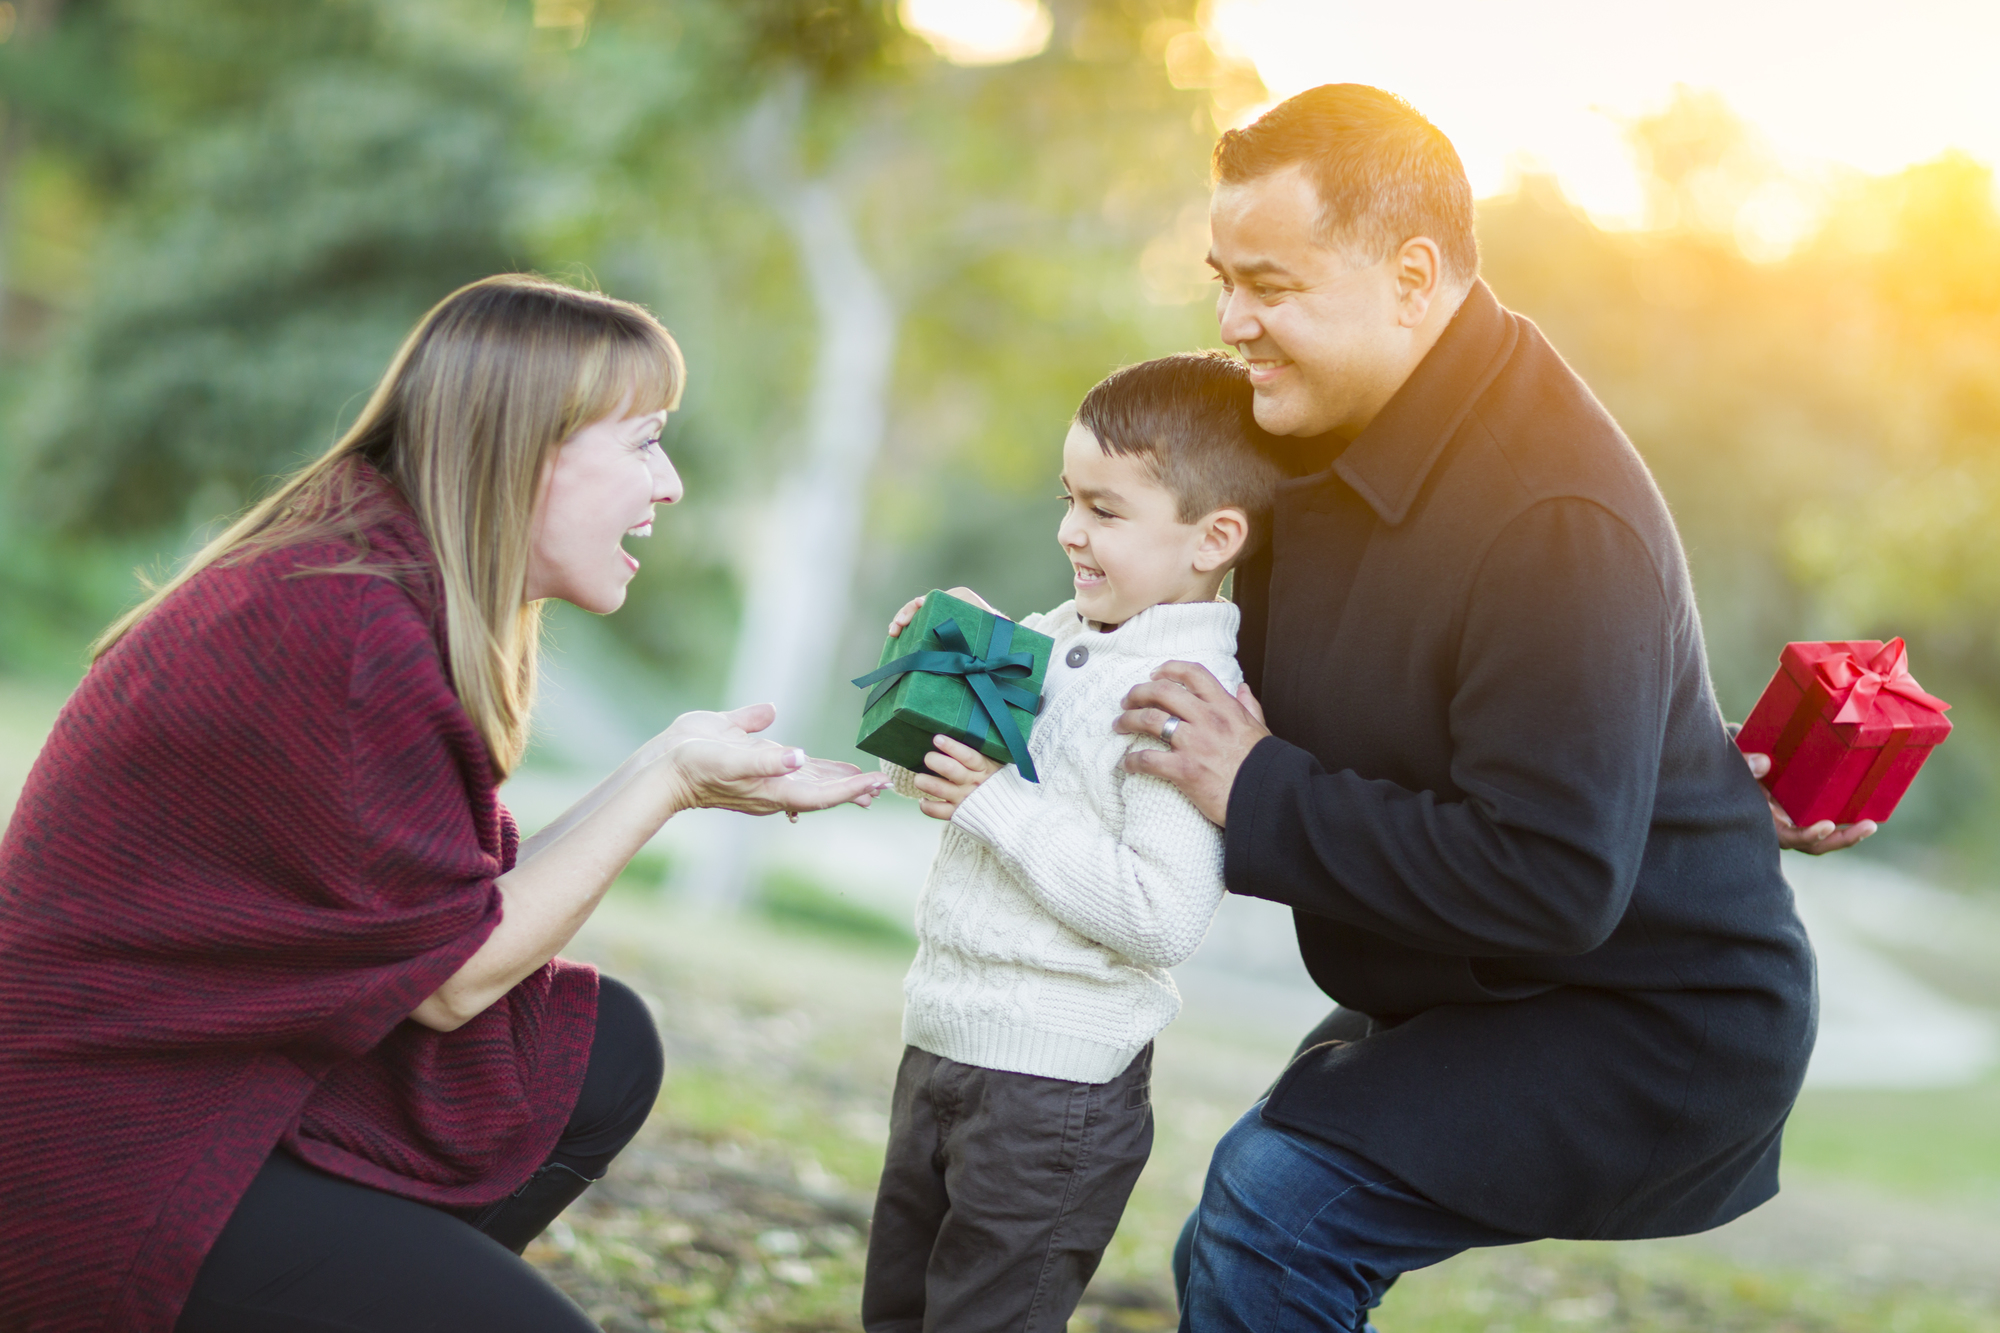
<point x="792" y="815"/>
<point x="1168" y="728"/>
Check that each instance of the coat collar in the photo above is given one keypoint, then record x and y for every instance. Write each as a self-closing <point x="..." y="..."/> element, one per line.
<point x="1388" y="462"/>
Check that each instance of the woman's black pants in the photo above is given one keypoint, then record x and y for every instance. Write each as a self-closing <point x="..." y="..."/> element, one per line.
<point x="305" y="1252"/>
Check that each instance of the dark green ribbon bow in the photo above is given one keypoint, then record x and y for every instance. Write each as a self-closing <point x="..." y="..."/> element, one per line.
<point x="986" y="675"/>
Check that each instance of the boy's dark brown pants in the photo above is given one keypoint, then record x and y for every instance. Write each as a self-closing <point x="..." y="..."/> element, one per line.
<point x="999" y="1195"/>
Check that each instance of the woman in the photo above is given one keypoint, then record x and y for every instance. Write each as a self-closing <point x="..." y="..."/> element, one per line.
<point x="284" y="1040"/>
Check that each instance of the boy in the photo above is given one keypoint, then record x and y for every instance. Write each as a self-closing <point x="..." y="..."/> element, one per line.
<point x="1022" y="1114"/>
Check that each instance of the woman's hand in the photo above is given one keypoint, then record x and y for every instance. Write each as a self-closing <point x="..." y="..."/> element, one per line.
<point x="904" y="616"/>
<point x="1814" y="839"/>
<point x="703" y="759"/>
<point x="717" y="763"/>
<point x="955" y="773"/>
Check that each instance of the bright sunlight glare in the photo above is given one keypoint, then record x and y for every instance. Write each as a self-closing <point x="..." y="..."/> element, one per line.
<point x="1548" y="85"/>
<point x="980" y="32"/>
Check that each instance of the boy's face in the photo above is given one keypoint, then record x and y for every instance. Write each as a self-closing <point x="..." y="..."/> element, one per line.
<point x="1123" y="535"/>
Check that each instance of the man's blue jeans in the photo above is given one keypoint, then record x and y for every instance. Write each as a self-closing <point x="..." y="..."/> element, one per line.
<point x="1294" y="1234"/>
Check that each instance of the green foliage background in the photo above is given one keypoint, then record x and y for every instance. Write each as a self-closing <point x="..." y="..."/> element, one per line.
<point x="220" y="217"/>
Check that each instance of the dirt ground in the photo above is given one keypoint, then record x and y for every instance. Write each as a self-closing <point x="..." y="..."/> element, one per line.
<point x="744" y="1204"/>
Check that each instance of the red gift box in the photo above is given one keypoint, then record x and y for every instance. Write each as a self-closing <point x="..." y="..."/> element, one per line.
<point x="1846" y="727"/>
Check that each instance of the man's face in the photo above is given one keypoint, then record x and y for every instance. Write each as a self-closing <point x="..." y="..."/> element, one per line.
<point x="1321" y="333"/>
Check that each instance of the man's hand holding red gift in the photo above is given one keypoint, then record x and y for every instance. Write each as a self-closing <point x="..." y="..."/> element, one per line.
<point x="1814" y="839"/>
<point x="1837" y="737"/>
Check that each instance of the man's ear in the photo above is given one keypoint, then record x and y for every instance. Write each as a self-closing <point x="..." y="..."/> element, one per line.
<point x="1419" y="271"/>
<point x="1223" y="536"/>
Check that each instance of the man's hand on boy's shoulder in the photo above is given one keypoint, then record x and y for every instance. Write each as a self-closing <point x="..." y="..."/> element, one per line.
<point x="1209" y="733"/>
<point x="909" y="611"/>
<point x="956" y="771"/>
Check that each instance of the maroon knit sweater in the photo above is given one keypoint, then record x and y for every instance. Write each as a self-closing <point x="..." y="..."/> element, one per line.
<point x="262" y="832"/>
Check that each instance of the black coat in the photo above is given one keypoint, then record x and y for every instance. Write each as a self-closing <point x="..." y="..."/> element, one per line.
<point x="1501" y="800"/>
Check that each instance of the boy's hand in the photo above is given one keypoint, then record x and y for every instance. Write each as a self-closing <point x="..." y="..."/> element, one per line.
<point x="909" y="610"/>
<point x="955" y="770"/>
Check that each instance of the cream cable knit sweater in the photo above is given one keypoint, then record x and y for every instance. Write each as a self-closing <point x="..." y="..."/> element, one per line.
<point x="1053" y="910"/>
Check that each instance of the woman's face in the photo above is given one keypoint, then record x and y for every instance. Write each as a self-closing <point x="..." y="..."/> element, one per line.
<point x="599" y="489"/>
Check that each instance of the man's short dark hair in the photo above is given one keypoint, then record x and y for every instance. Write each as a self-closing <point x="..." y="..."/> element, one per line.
<point x="1384" y="174"/>
<point x="1190" y="417"/>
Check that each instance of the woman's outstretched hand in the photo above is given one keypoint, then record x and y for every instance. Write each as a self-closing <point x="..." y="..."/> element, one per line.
<point x="703" y="759"/>
<point x="720" y="764"/>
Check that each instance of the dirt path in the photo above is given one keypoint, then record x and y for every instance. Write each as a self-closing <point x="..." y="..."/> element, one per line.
<point x="743" y="1206"/>
<point x="1865" y="1238"/>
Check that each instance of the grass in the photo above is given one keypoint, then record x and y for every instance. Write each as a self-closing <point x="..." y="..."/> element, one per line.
<point x="725" y="1106"/>
<point x="791" y="899"/>
<point x="835" y="1005"/>
<point x="1561" y="1287"/>
<point x="1933" y="1143"/>
<point x="808" y="951"/>
<point x="644" y="873"/>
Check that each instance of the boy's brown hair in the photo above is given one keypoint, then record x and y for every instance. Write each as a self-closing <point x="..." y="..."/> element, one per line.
<point x="1190" y="417"/>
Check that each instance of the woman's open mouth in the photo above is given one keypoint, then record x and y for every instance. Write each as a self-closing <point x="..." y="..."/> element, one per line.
<point x="636" y="530"/>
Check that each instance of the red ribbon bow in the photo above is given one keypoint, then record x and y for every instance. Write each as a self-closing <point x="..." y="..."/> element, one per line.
<point x="1856" y="683"/>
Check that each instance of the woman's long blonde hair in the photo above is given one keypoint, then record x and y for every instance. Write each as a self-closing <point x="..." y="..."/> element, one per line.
<point x="476" y="402"/>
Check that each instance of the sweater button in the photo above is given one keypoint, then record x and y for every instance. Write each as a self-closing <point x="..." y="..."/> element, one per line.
<point x="1077" y="656"/>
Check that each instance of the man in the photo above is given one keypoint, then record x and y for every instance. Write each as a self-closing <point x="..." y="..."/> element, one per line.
<point x="1488" y="771"/>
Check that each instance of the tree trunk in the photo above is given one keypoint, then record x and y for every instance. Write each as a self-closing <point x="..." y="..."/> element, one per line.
<point x="801" y="570"/>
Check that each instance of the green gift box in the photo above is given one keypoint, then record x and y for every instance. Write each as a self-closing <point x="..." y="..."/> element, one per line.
<point x="958" y="670"/>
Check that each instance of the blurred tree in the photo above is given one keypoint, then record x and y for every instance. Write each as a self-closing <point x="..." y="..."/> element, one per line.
<point x="23" y="29"/>
<point x="226" y="213"/>
<point x="287" y="189"/>
<point x="1700" y="163"/>
<point x="307" y="179"/>
<point x="905" y="193"/>
<point x="1826" y="425"/>
<point x="1018" y="235"/>
<point x="1002" y="244"/>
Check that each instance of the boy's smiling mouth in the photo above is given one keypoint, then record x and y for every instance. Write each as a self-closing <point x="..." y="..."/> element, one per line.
<point x="1085" y="575"/>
